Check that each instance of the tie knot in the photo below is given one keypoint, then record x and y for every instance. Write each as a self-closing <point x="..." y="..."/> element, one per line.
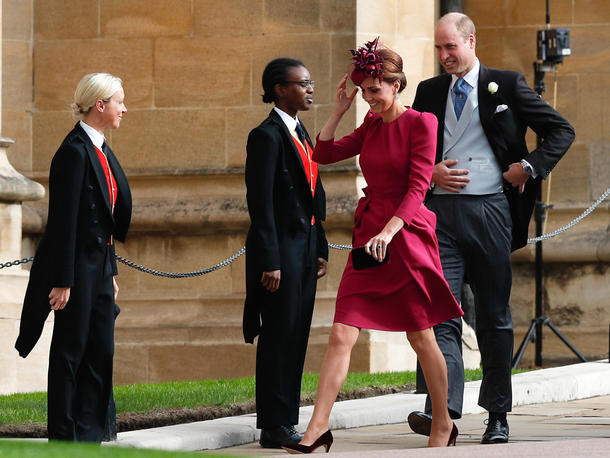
<point x="460" y="86"/>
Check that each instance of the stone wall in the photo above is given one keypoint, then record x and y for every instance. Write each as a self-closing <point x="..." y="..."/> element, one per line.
<point x="577" y="279"/>
<point x="192" y="72"/>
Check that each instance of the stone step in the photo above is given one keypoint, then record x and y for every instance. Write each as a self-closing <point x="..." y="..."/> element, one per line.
<point x="219" y="310"/>
<point x="166" y="360"/>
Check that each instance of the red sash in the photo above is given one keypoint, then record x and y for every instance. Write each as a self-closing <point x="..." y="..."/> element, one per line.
<point x="310" y="166"/>
<point x="112" y="189"/>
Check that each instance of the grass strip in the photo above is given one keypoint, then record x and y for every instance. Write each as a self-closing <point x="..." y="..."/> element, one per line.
<point x="26" y="449"/>
<point x="31" y="408"/>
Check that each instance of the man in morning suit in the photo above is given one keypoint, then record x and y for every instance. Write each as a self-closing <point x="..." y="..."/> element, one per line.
<point x="484" y="189"/>
<point x="286" y="248"/>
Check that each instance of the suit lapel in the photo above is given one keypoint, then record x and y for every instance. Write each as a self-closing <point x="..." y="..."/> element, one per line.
<point x="459" y="127"/>
<point x="123" y="191"/>
<point x="439" y="97"/>
<point x="97" y="167"/>
<point x="487" y="100"/>
<point x="288" y="138"/>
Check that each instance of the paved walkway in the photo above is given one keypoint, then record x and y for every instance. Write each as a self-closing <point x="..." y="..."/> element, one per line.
<point x="560" y="429"/>
<point x="570" y="402"/>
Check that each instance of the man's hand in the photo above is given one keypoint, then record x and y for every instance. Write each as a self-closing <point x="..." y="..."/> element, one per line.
<point x="450" y="179"/>
<point x="516" y="176"/>
<point x="322" y="266"/>
<point x="271" y="280"/>
<point x="58" y="298"/>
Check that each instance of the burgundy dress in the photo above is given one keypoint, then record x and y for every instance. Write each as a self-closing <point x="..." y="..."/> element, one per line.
<point x="409" y="293"/>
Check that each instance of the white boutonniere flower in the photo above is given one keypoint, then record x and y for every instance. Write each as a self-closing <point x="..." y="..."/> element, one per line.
<point x="492" y="87"/>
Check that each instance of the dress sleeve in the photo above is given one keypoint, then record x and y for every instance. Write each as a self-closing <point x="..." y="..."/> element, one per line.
<point x="422" y="152"/>
<point x="331" y="151"/>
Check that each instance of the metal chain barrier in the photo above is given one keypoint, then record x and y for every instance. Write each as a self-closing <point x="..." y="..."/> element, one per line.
<point x="336" y="246"/>
<point x="195" y="273"/>
<point x="572" y="223"/>
<point x="16" y="263"/>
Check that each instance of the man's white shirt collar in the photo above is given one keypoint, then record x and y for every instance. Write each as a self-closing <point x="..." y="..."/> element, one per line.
<point x="290" y="122"/>
<point x="472" y="77"/>
<point x="96" y="137"/>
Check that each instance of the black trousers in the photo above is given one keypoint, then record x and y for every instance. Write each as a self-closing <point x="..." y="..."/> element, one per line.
<point x="474" y="235"/>
<point x="80" y="359"/>
<point x="282" y="342"/>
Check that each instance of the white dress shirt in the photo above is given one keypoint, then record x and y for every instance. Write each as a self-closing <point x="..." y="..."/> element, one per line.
<point x="290" y="122"/>
<point x="96" y="137"/>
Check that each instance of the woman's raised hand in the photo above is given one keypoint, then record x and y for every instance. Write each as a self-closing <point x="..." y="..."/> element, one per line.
<point x="344" y="101"/>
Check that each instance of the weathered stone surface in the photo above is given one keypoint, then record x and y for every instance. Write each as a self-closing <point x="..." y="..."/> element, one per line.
<point x="18" y="126"/>
<point x="17" y="20"/>
<point x="14" y="187"/>
<point x="171" y="139"/>
<point x="59" y="66"/>
<point x="65" y="19"/>
<point x="194" y="362"/>
<point x="338" y="15"/>
<point x="572" y="172"/>
<point x="18" y="374"/>
<point x="49" y="129"/>
<point x="589" y="52"/>
<point x="237" y="17"/>
<point x="240" y="122"/>
<point x="188" y="74"/>
<point x="340" y="62"/>
<point x="374" y="17"/>
<point x="291" y="16"/>
<point x="592" y="12"/>
<point x="415" y="20"/>
<point x="153" y="18"/>
<point x="524" y="12"/>
<point x="17" y="81"/>
<point x="130" y="363"/>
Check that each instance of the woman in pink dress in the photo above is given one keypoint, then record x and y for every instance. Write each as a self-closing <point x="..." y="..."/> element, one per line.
<point x="397" y="148"/>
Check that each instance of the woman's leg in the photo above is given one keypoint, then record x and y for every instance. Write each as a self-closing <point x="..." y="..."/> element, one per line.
<point x="435" y="372"/>
<point x="332" y="375"/>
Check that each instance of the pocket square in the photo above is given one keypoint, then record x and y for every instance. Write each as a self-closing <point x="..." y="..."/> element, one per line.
<point x="501" y="108"/>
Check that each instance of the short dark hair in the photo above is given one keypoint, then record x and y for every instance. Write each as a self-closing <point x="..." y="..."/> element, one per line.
<point x="275" y="73"/>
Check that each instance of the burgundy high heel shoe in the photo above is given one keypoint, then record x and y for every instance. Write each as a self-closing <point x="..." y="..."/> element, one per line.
<point x="453" y="436"/>
<point x="325" y="440"/>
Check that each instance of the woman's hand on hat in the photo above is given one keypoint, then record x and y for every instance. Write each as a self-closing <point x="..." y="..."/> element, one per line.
<point x="343" y="100"/>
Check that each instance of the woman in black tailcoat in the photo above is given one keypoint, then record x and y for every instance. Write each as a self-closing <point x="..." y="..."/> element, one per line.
<point x="286" y="248"/>
<point x="74" y="268"/>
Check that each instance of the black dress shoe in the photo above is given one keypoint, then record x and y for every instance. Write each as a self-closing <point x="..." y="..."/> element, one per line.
<point x="276" y="437"/>
<point x="420" y="422"/>
<point x="496" y="433"/>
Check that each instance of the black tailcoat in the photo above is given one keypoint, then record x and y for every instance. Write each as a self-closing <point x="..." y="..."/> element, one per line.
<point x="75" y="252"/>
<point x="80" y="223"/>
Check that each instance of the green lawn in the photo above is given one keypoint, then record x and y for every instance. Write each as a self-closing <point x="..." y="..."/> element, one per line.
<point x="25" y="449"/>
<point x="143" y="398"/>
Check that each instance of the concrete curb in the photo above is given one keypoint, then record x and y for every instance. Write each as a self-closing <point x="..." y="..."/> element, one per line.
<point x="578" y="381"/>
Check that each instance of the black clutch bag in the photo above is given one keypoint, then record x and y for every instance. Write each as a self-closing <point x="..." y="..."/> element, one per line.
<point x="362" y="260"/>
